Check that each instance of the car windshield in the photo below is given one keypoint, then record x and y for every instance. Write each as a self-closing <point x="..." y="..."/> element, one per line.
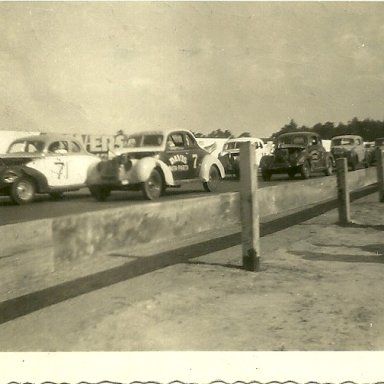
<point x="145" y="140"/>
<point x="293" y="139"/>
<point x="232" y="145"/>
<point x="342" y="141"/>
<point x="26" y="146"/>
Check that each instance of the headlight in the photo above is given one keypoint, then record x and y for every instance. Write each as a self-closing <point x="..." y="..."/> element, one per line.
<point x="9" y="178"/>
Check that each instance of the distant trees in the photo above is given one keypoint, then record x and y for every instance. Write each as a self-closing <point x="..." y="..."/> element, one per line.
<point x="245" y="134"/>
<point x="217" y="133"/>
<point x="368" y="129"/>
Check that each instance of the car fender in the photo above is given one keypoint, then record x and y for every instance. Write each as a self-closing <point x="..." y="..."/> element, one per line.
<point x="143" y="168"/>
<point x="206" y="164"/>
<point x="39" y="179"/>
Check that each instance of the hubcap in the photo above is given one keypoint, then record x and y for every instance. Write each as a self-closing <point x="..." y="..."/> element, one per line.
<point x="154" y="186"/>
<point x="24" y="191"/>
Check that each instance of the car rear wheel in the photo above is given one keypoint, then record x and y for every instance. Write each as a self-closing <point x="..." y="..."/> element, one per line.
<point x="153" y="187"/>
<point x="354" y="163"/>
<point x="305" y="170"/>
<point x="291" y="174"/>
<point x="214" y="178"/>
<point x="100" y="193"/>
<point x="22" y="191"/>
<point x="266" y="175"/>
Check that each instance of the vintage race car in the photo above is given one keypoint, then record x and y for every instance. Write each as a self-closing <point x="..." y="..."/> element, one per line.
<point x="352" y="148"/>
<point x="153" y="161"/>
<point x="230" y="154"/>
<point x="43" y="164"/>
<point x="297" y="152"/>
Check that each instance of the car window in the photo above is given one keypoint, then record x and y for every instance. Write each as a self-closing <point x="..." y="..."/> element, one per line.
<point x="59" y="147"/>
<point x="26" y="146"/>
<point x="298" y="140"/>
<point x="190" y="142"/>
<point x="146" y="140"/>
<point x="175" y="141"/>
<point x="74" y="147"/>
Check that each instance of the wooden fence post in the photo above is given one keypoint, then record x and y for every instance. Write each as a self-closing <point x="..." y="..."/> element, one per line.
<point x="380" y="172"/>
<point x="249" y="209"/>
<point x="343" y="191"/>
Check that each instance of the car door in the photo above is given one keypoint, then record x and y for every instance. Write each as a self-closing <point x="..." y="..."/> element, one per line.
<point x="178" y="156"/>
<point x="54" y="165"/>
<point x="78" y="163"/>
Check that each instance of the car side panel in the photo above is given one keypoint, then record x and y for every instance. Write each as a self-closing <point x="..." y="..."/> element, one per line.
<point x="206" y="164"/>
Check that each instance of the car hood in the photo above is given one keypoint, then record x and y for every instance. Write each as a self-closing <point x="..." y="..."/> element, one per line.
<point x="18" y="159"/>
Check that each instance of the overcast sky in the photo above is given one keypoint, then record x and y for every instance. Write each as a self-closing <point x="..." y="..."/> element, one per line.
<point x="98" y="67"/>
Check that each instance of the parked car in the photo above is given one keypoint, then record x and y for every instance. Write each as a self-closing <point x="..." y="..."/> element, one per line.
<point x="230" y="154"/>
<point x="153" y="161"/>
<point x="50" y="164"/>
<point x="370" y="152"/>
<point x="352" y="148"/>
<point x="297" y="152"/>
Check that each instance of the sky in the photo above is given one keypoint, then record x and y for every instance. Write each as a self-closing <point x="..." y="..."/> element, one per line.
<point x="101" y="67"/>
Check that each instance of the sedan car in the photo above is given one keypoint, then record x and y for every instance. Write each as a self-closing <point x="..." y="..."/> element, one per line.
<point x="153" y="161"/>
<point x="230" y="155"/>
<point x="43" y="163"/>
<point x="352" y="148"/>
<point x="297" y="152"/>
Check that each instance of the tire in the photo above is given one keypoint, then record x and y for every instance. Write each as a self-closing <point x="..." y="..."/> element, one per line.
<point x="266" y="175"/>
<point x="153" y="187"/>
<point x="305" y="170"/>
<point x="354" y="163"/>
<point x="57" y="195"/>
<point x="22" y="191"/>
<point x="100" y="193"/>
<point x="328" y="167"/>
<point x="214" y="178"/>
<point x="291" y="174"/>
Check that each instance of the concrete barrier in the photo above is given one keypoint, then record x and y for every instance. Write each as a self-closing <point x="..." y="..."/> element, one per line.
<point x="32" y="250"/>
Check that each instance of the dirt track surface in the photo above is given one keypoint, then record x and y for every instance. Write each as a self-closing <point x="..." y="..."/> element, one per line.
<point x="319" y="289"/>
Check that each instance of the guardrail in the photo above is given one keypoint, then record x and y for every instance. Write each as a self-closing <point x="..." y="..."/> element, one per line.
<point x="69" y="246"/>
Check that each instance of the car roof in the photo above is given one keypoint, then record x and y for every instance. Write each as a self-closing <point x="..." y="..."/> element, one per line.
<point x="305" y="133"/>
<point x="244" y="139"/>
<point x="47" y="138"/>
<point x="347" y="136"/>
<point x="164" y="132"/>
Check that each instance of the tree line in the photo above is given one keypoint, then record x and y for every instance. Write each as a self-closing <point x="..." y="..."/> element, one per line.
<point x="368" y="129"/>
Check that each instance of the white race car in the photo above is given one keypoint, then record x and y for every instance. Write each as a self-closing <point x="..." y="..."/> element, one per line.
<point x="44" y="163"/>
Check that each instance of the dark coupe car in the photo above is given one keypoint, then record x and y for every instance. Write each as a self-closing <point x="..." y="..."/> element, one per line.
<point x="297" y="152"/>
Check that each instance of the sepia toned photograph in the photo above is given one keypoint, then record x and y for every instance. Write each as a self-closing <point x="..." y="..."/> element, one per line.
<point x="198" y="177"/>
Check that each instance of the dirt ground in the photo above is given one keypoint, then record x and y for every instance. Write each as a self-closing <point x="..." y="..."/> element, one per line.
<point x="319" y="289"/>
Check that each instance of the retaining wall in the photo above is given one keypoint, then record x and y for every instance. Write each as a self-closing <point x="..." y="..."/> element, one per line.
<point x="38" y="248"/>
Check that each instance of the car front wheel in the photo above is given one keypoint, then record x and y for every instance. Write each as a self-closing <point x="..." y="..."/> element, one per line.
<point x="305" y="170"/>
<point x="266" y="175"/>
<point x="22" y="191"/>
<point x="100" y="193"/>
<point x="153" y="187"/>
<point x="214" y="179"/>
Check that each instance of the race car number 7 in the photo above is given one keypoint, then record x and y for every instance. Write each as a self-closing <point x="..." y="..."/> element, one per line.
<point x="194" y="156"/>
